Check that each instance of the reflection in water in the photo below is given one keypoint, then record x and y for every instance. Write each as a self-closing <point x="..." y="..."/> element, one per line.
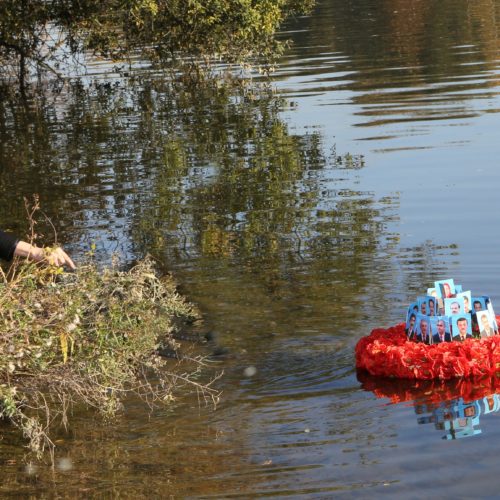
<point x="402" y="65"/>
<point x="458" y="418"/>
<point x="454" y="406"/>
<point x="213" y="178"/>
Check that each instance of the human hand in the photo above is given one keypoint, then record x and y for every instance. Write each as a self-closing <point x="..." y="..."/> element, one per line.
<point x="55" y="256"/>
<point x="58" y="257"/>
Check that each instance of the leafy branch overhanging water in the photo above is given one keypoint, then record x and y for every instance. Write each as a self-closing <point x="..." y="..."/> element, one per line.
<point x="46" y="35"/>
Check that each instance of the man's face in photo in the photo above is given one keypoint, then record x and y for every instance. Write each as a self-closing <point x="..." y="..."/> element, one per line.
<point x="431" y="307"/>
<point x="462" y="327"/>
<point x="484" y="322"/>
<point x="441" y="327"/>
<point x="423" y="327"/>
<point x="466" y="304"/>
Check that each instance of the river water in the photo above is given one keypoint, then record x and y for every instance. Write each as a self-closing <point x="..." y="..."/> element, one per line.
<point x="298" y="219"/>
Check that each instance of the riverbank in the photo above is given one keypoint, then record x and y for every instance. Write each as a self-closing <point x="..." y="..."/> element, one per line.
<point x="87" y="337"/>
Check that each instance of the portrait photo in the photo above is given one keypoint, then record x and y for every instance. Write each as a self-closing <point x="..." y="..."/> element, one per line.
<point x="467" y="300"/>
<point x="478" y="304"/>
<point x="413" y="307"/>
<point x="423" y="329"/>
<point x="422" y="305"/>
<point x="440" y="329"/>
<point x="432" y="306"/>
<point x="411" y="322"/>
<point x="445" y="288"/>
<point x="461" y="326"/>
<point x="454" y="306"/>
<point x="440" y="306"/>
<point x="432" y="292"/>
<point x="484" y="322"/>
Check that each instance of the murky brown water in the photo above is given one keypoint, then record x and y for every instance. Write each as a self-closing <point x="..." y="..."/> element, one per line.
<point x="292" y="249"/>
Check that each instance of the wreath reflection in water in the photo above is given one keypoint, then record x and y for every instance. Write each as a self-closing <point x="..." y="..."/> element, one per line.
<point x="454" y="407"/>
<point x="388" y="353"/>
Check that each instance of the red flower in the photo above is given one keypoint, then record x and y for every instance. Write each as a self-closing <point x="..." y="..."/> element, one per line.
<point x="387" y="352"/>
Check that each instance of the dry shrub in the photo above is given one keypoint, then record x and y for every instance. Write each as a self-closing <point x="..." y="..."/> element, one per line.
<point x="90" y="336"/>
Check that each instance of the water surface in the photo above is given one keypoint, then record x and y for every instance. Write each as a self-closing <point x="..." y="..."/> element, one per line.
<point x="297" y="221"/>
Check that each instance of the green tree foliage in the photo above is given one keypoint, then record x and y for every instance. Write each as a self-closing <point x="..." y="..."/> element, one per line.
<point x="46" y="33"/>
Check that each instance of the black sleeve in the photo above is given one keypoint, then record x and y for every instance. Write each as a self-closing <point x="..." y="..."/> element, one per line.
<point x="8" y="243"/>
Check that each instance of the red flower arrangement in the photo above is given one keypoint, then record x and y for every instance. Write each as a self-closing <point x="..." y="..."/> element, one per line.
<point x="388" y="353"/>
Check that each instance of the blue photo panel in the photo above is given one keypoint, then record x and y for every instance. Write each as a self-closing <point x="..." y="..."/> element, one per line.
<point x="461" y="326"/>
<point x="478" y="304"/>
<point x="432" y="308"/>
<point x="422" y="305"/>
<point x="467" y="300"/>
<point x="444" y="288"/>
<point x="413" y="308"/>
<point x="432" y="292"/>
<point x="423" y="328"/>
<point x="460" y="428"/>
<point x="440" y="327"/>
<point x="458" y="289"/>
<point x="411" y="320"/>
<point x="454" y="306"/>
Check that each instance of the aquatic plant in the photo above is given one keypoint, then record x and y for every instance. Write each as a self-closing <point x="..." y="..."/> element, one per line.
<point x="88" y="337"/>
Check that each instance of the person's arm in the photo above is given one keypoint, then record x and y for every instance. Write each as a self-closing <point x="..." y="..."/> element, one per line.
<point x="8" y="243"/>
<point x="56" y="256"/>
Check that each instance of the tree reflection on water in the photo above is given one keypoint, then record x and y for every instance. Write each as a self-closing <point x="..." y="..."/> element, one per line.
<point x="211" y="172"/>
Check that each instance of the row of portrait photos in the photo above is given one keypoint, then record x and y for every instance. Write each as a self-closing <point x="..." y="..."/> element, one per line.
<point x="448" y="313"/>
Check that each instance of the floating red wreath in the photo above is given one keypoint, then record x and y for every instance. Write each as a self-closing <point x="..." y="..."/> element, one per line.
<point x="387" y="353"/>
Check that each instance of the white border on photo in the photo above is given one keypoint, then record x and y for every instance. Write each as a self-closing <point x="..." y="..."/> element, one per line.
<point x="493" y="318"/>
<point x="480" y="315"/>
